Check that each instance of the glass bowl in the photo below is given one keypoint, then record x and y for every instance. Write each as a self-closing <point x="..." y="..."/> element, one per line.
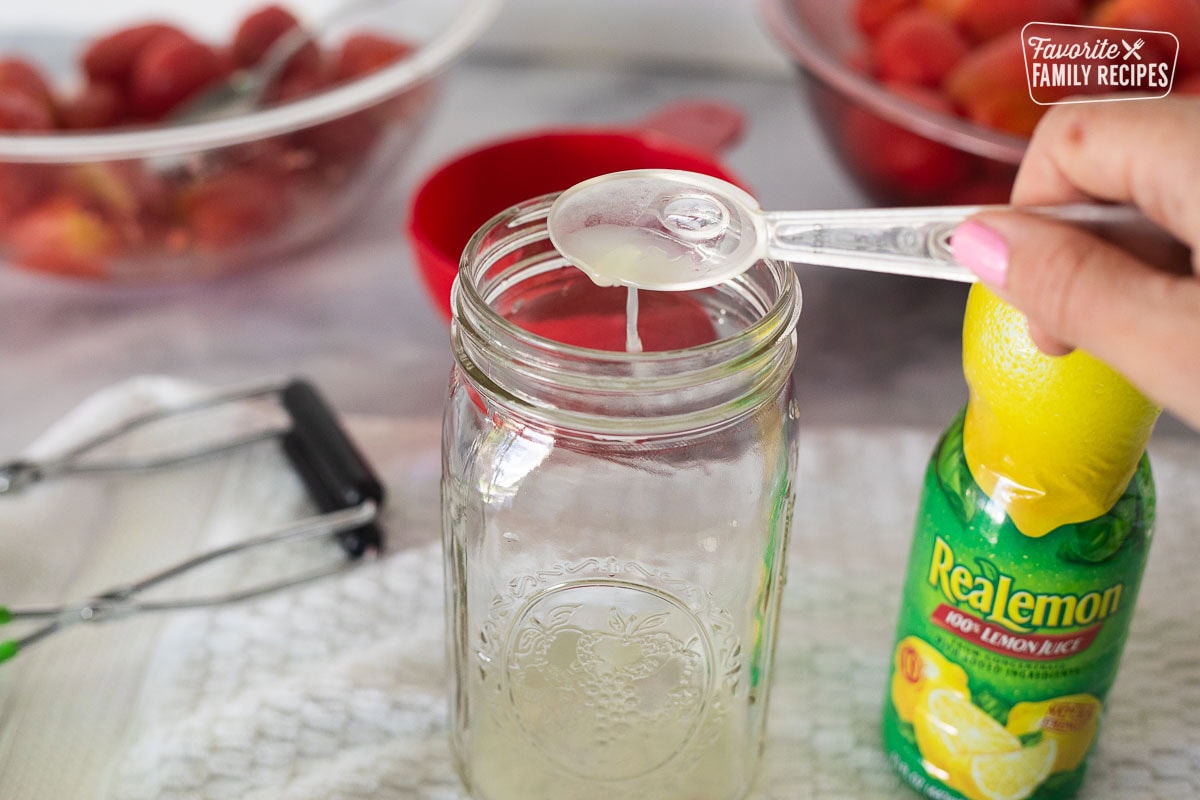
<point x="166" y="202"/>
<point x="897" y="151"/>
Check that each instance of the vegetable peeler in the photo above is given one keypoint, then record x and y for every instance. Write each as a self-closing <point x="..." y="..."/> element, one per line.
<point x="336" y="477"/>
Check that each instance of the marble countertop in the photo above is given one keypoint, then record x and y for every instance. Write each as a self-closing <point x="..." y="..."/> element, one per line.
<point x="351" y="315"/>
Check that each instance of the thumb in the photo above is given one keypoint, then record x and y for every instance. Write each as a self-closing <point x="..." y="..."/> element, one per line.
<point x="1077" y="290"/>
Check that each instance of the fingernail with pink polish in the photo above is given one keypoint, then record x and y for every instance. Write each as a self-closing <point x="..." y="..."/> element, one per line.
<point x="982" y="250"/>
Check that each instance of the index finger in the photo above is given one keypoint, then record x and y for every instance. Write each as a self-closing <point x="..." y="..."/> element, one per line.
<point x="1142" y="152"/>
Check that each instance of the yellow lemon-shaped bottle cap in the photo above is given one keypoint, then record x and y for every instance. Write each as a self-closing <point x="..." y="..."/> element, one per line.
<point x="1051" y="440"/>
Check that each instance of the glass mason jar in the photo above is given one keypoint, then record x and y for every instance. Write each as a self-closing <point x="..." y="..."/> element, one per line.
<point x="615" y="525"/>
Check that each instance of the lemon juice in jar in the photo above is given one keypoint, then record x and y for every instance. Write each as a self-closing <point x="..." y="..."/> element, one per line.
<point x="608" y="685"/>
<point x="1033" y="531"/>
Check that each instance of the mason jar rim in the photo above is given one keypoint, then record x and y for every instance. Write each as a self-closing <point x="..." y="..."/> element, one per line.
<point x="587" y="369"/>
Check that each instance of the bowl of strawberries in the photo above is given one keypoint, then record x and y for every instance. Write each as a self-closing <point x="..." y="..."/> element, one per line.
<point x="105" y="175"/>
<point x="928" y="101"/>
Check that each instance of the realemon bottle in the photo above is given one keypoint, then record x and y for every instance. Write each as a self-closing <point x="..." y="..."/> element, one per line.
<point x="1031" y="538"/>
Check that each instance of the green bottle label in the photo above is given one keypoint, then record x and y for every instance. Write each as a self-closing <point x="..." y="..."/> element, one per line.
<point x="1007" y="645"/>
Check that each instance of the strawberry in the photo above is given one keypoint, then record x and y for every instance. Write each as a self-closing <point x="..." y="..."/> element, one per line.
<point x="898" y="163"/>
<point x="111" y="58"/>
<point x="872" y="16"/>
<point x="234" y="207"/>
<point x="364" y="53"/>
<point x="98" y="105"/>
<point x="982" y="20"/>
<point x="63" y="236"/>
<point x="918" y="47"/>
<point x="169" y="70"/>
<point x="260" y="30"/>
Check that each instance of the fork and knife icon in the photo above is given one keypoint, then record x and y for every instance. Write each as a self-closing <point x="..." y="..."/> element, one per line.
<point x="1131" y="50"/>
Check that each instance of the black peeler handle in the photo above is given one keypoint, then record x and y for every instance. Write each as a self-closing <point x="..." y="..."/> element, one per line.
<point x="333" y="471"/>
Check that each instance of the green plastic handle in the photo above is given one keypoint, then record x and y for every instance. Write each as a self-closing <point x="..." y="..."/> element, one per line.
<point x="9" y="648"/>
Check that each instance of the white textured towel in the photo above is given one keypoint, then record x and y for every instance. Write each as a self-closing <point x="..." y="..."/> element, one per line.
<point x="336" y="690"/>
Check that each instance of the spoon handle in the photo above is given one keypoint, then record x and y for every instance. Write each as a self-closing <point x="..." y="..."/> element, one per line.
<point x="916" y="241"/>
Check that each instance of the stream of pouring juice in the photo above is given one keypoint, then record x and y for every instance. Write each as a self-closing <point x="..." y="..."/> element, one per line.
<point x="575" y="311"/>
<point x="633" y="343"/>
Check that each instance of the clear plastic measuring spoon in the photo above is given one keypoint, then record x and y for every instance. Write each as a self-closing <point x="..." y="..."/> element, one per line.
<point x="677" y="231"/>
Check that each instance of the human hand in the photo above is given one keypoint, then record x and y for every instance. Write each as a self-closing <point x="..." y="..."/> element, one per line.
<point x="1077" y="290"/>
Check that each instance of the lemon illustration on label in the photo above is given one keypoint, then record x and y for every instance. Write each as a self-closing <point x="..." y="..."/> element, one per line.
<point x="1012" y="776"/>
<point x="1054" y="440"/>
<point x="1071" y="721"/>
<point x="917" y="668"/>
<point x="973" y="753"/>
<point x="952" y="731"/>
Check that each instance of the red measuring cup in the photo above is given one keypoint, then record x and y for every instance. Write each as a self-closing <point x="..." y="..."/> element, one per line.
<point x="458" y="197"/>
